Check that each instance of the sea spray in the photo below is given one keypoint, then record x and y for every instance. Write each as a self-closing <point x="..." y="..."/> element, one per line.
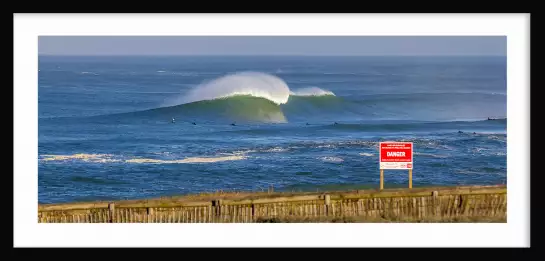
<point x="254" y="84"/>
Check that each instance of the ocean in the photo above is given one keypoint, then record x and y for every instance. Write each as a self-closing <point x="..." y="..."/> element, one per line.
<point x="132" y="127"/>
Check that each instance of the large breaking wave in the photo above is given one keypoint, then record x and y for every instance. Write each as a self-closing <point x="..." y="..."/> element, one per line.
<point x="243" y="96"/>
<point x="253" y="84"/>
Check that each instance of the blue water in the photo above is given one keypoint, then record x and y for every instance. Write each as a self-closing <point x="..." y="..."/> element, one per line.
<point x="137" y="127"/>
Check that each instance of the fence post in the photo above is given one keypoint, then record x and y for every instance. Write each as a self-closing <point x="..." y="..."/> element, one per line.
<point x="216" y="205"/>
<point x="327" y="200"/>
<point x="253" y="211"/>
<point x="150" y="214"/>
<point x="436" y="208"/>
<point x="111" y="209"/>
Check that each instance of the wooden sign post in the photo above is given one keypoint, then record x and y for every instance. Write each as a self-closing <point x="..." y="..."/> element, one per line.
<point x="396" y="155"/>
<point x="410" y="178"/>
<point x="381" y="179"/>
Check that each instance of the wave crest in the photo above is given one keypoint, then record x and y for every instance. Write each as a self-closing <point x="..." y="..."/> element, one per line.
<point x="254" y="84"/>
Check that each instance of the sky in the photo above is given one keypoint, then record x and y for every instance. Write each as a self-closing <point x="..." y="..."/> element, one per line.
<point x="274" y="45"/>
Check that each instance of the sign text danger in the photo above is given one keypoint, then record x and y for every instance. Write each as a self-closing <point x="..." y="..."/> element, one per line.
<point x="396" y="155"/>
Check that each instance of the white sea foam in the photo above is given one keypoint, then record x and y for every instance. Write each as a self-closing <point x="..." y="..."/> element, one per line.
<point x="331" y="159"/>
<point x="240" y="152"/>
<point x="327" y="146"/>
<point x="99" y="158"/>
<point x="187" y="160"/>
<point x="105" y="158"/>
<point x="468" y="172"/>
<point x="478" y="150"/>
<point x="366" y="154"/>
<point x="430" y="155"/>
<point x="275" y="149"/>
<point x="311" y="91"/>
<point x="178" y="73"/>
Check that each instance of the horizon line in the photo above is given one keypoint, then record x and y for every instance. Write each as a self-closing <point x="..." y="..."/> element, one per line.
<point x="284" y="55"/>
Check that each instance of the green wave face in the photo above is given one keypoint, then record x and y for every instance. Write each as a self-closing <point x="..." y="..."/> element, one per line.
<point x="235" y="108"/>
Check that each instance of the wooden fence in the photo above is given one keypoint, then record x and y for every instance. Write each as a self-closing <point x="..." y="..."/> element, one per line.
<point x="441" y="204"/>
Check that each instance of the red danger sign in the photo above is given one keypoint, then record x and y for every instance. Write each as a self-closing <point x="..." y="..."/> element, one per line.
<point x="396" y="155"/>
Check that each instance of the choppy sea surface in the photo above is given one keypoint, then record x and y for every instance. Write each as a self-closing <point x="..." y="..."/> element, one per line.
<point x="137" y="127"/>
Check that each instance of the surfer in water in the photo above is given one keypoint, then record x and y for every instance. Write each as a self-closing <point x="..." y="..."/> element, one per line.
<point x="172" y="120"/>
<point x="194" y="123"/>
<point x="233" y="124"/>
<point x="335" y="123"/>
